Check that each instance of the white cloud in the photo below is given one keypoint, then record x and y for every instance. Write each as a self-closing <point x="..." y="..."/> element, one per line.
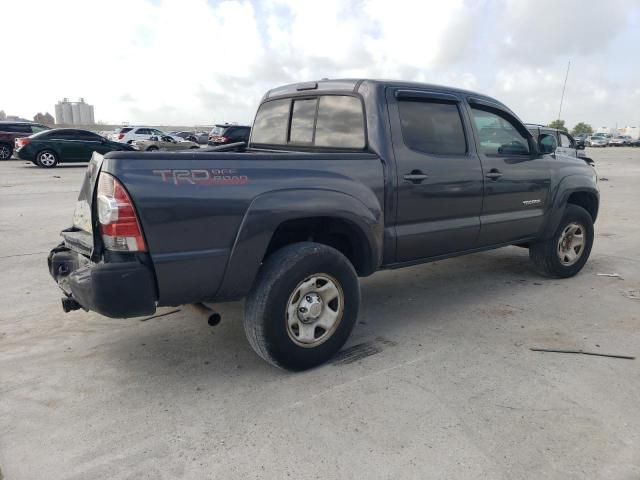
<point x="195" y="61"/>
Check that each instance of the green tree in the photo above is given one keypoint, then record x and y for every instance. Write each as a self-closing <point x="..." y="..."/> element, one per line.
<point x="559" y="124"/>
<point x="582" y="128"/>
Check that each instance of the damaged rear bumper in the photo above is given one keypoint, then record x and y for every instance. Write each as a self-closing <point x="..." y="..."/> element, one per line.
<point x="117" y="290"/>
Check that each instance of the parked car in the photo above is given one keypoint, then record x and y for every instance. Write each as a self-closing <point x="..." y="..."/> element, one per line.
<point x="192" y="136"/>
<point x="558" y="141"/>
<point x="340" y="179"/>
<point x="163" y="142"/>
<point x="9" y="131"/>
<point x="619" y="141"/>
<point x="48" y="148"/>
<point x="580" y="138"/>
<point x="597" y="141"/>
<point x="225" y="134"/>
<point x="129" y="134"/>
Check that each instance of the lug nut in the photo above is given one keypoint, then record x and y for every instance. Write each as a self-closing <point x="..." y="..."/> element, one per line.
<point x="308" y="298"/>
<point x="303" y="310"/>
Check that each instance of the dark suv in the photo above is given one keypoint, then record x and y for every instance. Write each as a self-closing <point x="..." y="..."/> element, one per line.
<point x="225" y="134"/>
<point x="9" y="131"/>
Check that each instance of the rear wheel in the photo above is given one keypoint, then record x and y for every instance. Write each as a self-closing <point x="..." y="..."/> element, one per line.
<point x="152" y="149"/>
<point x="568" y="250"/>
<point x="5" y="151"/>
<point x="47" y="159"/>
<point x="303" y="306"/>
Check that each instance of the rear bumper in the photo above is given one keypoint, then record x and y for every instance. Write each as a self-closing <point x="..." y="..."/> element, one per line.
<point x="116" y="290"/>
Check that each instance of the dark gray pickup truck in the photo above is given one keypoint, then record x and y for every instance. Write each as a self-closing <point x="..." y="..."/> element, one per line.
<point x="340" y="178"/>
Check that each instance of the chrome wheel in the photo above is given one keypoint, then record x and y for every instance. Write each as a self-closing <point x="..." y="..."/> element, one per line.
<point x="47" y="159"/>
<point x="5" y="152"/>
<point x="571" y="244"/>
<point x="314" y="310"/>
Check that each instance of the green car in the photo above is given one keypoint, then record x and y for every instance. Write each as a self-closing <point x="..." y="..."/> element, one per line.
<point x="50" y="147"/>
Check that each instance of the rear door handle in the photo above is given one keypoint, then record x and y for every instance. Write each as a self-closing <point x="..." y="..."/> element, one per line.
<point x="494" y="174"/>
<point x="416" y="176"/>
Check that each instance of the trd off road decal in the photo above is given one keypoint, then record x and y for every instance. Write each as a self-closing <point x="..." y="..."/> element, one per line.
<point x="202" y="176"/>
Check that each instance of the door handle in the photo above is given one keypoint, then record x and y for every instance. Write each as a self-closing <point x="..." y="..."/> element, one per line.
<point x="494" y="174"/>
<point x="416" y="176"/>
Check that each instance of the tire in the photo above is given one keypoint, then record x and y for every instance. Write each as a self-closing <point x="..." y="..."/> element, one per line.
<point x="152" y="149"/>
<point x="555" y="257"/>
<point x="309" y="276"/>
<point x="47" y="159"/>
<point x="5" y="151"/>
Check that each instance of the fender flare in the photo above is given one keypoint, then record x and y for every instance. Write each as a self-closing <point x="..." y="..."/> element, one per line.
<point x="269" y="210"/>
<point x="567" y="186"/>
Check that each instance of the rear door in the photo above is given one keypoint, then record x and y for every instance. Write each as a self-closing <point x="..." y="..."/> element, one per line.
<point x="439" y="176"/>
<point x="90" y="142"/>
<point x="66" y="144"/>
<point x="516" y="181"/>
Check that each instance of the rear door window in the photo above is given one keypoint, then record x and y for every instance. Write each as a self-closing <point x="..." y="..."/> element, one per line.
<point x="432" y="127"/>
<point x="565" y="141"/>
<point x="38" y="128"/>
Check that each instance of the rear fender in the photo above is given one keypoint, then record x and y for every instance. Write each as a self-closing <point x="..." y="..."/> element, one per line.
<point x="270" y="210"/>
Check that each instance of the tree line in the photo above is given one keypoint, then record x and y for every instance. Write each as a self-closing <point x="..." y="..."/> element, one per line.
<point x="579" y="128"/>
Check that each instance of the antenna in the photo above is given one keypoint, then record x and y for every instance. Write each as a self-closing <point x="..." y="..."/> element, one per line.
<point x="563" y="89"/>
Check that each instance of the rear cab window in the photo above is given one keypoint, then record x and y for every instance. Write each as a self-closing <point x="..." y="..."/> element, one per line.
<point x="318" y="121"/>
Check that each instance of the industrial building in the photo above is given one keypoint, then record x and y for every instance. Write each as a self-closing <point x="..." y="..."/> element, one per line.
<point x="74" y="113"/>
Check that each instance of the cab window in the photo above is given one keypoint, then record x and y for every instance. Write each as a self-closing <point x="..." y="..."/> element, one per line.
<point x="497" y="135"/>
<point x="565" y="141"/>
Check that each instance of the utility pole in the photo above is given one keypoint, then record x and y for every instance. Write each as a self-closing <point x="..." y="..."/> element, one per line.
<point x="563" y="89"/>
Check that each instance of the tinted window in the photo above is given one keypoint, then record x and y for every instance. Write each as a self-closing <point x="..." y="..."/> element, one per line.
<point x="84" y="135"/>
<point x="125" y="130"/>
<point x="340" y="122"/>
<point x="16" y="127"/>
<point x="432" y="127"/>
<point x="143" y="131"/>
<point x="62" y="135"/>
<point x="270" y="125"/>
<point x="497" y="135"/>
<point x="564" y="140"/>
<point x="302" y="118"/>
<point x="38" y="128"/>
<point x="548" y="142"/>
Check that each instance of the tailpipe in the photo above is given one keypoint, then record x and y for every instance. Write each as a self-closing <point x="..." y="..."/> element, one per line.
<point x="212" y="317"/>
<point x="69" y="304"/>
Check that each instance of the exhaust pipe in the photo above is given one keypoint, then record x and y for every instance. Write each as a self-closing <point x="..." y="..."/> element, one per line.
<point x="213" y="318"/>
<point x="69" y="304"/>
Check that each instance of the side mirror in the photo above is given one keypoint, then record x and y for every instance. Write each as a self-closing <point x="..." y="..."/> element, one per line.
<point x="547" y="143"/>
<point x="580" y="146"/>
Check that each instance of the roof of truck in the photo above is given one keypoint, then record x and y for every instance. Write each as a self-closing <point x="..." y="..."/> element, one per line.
<point x="354" y="84"/>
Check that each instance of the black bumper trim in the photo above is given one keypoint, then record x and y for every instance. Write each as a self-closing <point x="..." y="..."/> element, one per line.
<point x="116" y="290"/>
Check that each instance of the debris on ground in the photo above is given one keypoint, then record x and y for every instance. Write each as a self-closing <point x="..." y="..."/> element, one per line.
<point x="604" y="179"/>
<point x="581" y="352"/>
<point x="632" y="294"/>
<point x="614" y="275"/>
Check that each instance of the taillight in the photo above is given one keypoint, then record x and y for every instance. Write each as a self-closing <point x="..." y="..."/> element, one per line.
<point x="22" y="142"/>
<point x="120" y="136"/>
<point x="119" y="224"/>
<point x="219" y="139"/>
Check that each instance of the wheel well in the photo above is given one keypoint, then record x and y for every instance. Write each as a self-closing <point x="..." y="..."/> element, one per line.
<point x="340" y="234"/>
<point x="586" y="200"/>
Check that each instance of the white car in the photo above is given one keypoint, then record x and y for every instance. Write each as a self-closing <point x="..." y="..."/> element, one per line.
<point x="129" y="134"/>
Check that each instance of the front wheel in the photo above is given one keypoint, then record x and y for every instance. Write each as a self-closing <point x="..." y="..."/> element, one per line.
<point x="47" y="159"/>
<point x="564" y="254"/>
<point x="303" y="306"/>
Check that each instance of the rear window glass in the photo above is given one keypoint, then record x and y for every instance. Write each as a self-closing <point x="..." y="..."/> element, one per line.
<point x="270" y="125"/>
<point x="125" y="130"/>
<point x="303" y="115"/>
<point x="340" y="122"/>
<point x="337" y="122"/>
<point x="432" y="127"/>
<point x="15" y="127"/>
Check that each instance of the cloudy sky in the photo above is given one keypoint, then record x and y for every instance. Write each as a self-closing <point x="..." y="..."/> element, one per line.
<point x="195" y="62"/>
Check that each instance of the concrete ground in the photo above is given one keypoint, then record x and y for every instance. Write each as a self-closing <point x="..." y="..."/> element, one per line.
<point x="437" y="381"/>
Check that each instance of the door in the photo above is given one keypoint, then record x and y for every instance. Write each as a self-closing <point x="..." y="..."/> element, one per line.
<point x="439" y="176"/>
<point x="66" y="144"/>
<point x="516" y="182"/>
<point x="91" y="142"/>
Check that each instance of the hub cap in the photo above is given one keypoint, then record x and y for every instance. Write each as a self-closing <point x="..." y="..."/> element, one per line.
<point x="314" y="310"/>
<point x="571" y="244"/>
<point x="5" y="152"/>
<point x="47" y="159"/>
